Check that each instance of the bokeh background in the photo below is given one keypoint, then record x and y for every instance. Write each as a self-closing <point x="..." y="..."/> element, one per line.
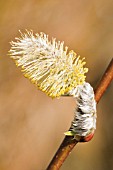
<point x="32" y="124"/>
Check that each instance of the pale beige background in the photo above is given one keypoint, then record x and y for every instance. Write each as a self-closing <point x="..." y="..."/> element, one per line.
<point x="32" y="124"/>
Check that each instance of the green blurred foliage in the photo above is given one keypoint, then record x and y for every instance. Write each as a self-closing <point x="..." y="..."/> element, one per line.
<point x="32" y="124"/>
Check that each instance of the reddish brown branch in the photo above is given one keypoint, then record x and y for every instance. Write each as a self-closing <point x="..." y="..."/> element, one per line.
<point x="104" y="82"/>
<point x="62" y="153"/>
<point x="68" y="142"/>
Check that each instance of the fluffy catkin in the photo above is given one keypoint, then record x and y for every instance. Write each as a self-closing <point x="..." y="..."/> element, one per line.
<point x="47" y="63"/>
<point x="57" y="72"/>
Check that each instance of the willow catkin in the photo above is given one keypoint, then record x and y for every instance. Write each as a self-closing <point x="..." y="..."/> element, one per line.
<point x="57" y="72"/>
<point x="47" y="63"/>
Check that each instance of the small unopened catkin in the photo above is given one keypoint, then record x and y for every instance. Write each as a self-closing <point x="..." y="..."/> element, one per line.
<point x="84" y="122"/>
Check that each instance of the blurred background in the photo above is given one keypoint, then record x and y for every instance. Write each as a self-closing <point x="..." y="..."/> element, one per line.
<point x="32" y="124"/>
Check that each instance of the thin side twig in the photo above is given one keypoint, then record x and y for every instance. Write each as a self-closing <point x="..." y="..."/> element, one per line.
<point x="68" y="142"/>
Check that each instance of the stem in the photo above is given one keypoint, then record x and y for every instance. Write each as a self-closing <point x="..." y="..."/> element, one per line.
<point x="68" y="144"/>
<point x="62" y="153"/>
<point x="104" y="82"/>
